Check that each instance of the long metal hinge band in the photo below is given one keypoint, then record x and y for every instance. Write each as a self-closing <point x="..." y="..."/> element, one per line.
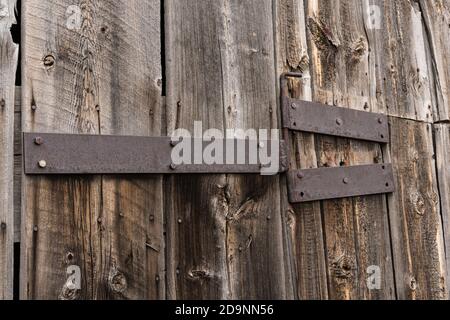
<point x="65" y="154"/>
<point x="342" y="182"/>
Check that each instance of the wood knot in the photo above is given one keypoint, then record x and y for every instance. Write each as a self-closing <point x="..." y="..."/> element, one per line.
<point x="343" y="268"/>
<point x="117" y="282"/>
<point x="418" y="203"/>
<point x="413" y="284"/>
<point x="68" y="293"/>
<point x="199" y="274"/>
<point x="358" y="49"/>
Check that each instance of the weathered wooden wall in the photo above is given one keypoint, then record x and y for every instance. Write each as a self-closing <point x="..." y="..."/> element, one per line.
<point x="227" y="236"/>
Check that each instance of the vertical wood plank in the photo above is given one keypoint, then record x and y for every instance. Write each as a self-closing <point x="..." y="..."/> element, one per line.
<point x="436" y="20"/>
<point x="9" y="52"/>
<point x="92" y="68"/>
<point x="303" y="222"/>
<point x="442" y="140"/>
<point x="341" y="72"/>
<point x="416" y="223"/>
<point x="224" y="232"/>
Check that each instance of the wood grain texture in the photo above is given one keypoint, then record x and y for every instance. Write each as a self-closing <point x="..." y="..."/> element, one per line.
<point x="436" y="21"/>
<point x="417" y="235"/>
<point x="442" y="141"/>
<point x="224" y="232"/>
<point x="355" y="231"/>
<point x="9" y="52"/>
<point x="93" y="68"/>
<point x="303" y="223"/>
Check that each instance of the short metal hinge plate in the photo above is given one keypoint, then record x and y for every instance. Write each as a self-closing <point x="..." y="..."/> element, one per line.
<point x="342" y="182"/>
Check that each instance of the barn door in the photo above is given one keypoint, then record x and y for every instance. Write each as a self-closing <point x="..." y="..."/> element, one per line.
<point x="146" y="68"/>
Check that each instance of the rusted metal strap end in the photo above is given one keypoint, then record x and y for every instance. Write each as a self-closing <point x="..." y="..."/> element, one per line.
<point x="341" y="182"/>
<point x="64" y="154"/>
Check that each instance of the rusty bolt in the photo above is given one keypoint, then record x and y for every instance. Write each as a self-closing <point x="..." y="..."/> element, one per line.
<point x="49" y="60"/>
<point x="38" y="141"/>
<point x="339" y="121"/>
<point x="42" y="164"/>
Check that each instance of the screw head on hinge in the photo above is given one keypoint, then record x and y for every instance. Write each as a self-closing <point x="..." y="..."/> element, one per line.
<point x="38" y="141"/>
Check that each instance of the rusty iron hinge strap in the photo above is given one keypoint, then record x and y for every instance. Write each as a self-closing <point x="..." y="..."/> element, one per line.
<point x="341" y="182"/>
<point x="65" y="154"/>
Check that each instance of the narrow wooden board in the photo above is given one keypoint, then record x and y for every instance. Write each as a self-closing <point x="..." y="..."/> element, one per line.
<point x="93" y="68"/>
<point x="436" y="22"/>
<point x="224" y="232"/>
<point x="415" y="217"/>
<point x="9" y="53"/>
<point x="442" y="141"/>
<point x="302" y="223"/>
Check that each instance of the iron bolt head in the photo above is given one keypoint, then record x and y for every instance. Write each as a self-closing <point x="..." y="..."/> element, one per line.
<point x="33" y="107"/>
<point x="42" y="164"/>
<point x="339" y="121"/>
<point x="173" y="166"/>
<point x="346" y="180"/>
<point x="38" y="141"/>
<point x="300" y="175"/>
<point x="261" y="145"/>
<point x="293" y="106"/>
<point x="380" y="120"/>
